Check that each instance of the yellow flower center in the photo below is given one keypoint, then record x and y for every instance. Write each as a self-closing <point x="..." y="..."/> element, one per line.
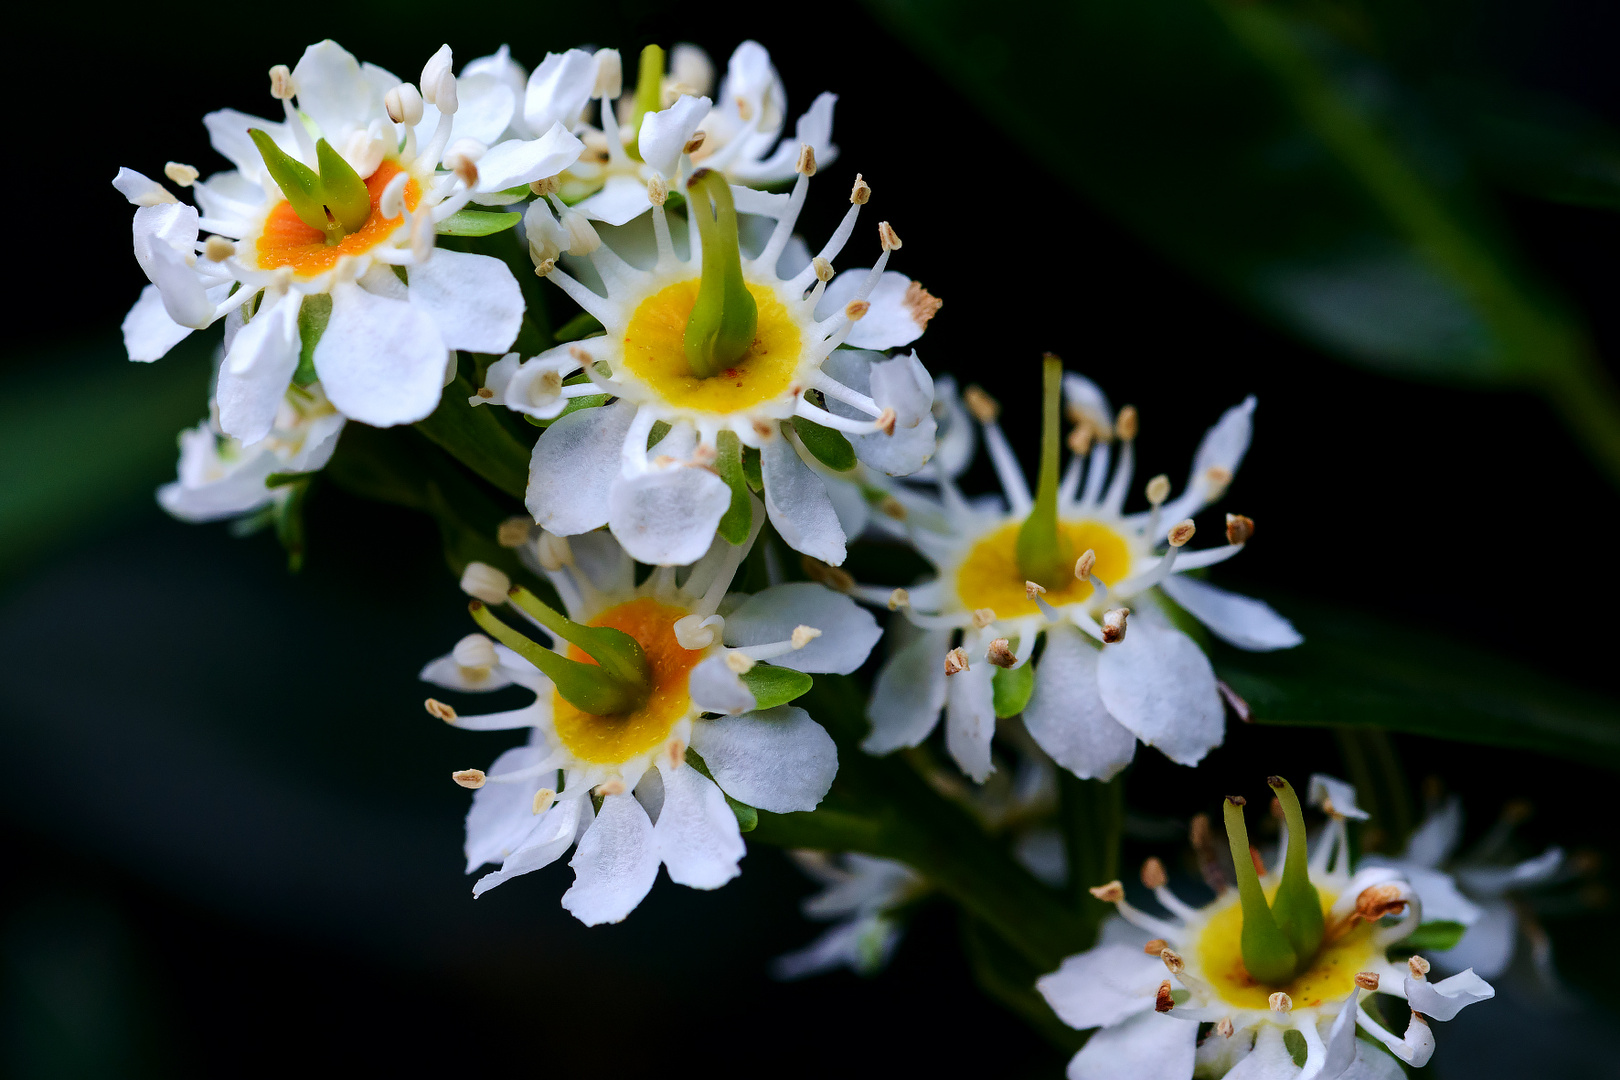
<point x="655" y="352"/>
<point x="610" y="740"/>
<point x="1331" y="976"/>
<point x="287" y="241"/>
<point x="989" y="577"/>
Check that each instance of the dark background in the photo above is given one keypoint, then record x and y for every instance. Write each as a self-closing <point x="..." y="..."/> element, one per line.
<point x="229" y="844"/>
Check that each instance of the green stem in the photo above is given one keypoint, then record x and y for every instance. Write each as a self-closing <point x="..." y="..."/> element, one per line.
<point x="1043" y="557"/>
<point x="1093" y="813"/>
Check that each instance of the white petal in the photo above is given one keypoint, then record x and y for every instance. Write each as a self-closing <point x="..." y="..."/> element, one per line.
<point x="380" y="361"/>
<point x="473" y="299"/>
<point x="863" y="944"/>
<point x="254" y="377"/>
<point x="664" y="134"/>
<point x="622" y="199"/>
<point x="1442" y="902"/>
<point x="1159" y="685"/>
<point x="1436" y="838"/>
<point x="908" y="694"/>
<point x="970" y="719"/>
<point x="502" y="815"/>
<point x="228" y="131"/>
<point x="1496" y="880"/>
<point x="716" y="688"/>
<point x="1371" y="1063"/>
<point x="1222" y="449"/>
<point x="1102" y="986"/>
<point x="1146" y="1047"/>
<point x="696" y="834"/>
<point x="559" y="90"/>
<point x="1488" y="945"/>
<point x="1324" y="790"/>
<point x="1239" y="620"/>
<point x="574" y="462"/>
<point x="332" y="90"/>
<point x="552" y="835"/>
<point x="320" y="439"/>
<point x="667" y="516"/>
<point x="778" y="760"/>
<point x="149" y="333"/>
<point x="1269" y="1060"/>
<point x="170" y="224"/>
<point x="848" y="631"/>
<point x="1086" y="396"/>
<point x="523" y="161"/>
<point x="615" y="863"/>
<point x="140" y="189"/>
<point x="484" y="107"/>
<point x="1445" y="999"/>
<point x="796" y="500"/>
<point x="889" y="323"/>
<point x="1066" y="715"/>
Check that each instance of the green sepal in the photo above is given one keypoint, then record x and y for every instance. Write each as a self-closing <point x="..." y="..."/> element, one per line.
<point x="1010" y="689"/>
<point x="751" y="470"/>
<point x="747" y="817"/>
<point x="582" y="325"/>
<point x="1294" y="1043"/>
<point x="1436" y="936"/>
<point x="1267" y="955"/>
<point x="772" y="685"/>
<point x="619" y="655"/>
<point x="290" y="522"/>
<point x="829" y="446"/>
<point x="724" y="316"/>
<point x="477" y="223"/>
<point x="738" y="519"/>
<point x="587" y="687"/>
<point x="300" y="185"/>
<point x="656" y="433"/>
<point x="313" y="315"/>
<point x="1296" y="905"/>
<point x="345" y="195"/>
<point x="589" y="401"/>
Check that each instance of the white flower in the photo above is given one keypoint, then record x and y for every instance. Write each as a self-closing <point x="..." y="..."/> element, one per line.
<point x="1152" y="980"/>
<point x="594" y="467"/>
<point x="1115" y="670"/>
<point x="393" y="309"/>
<point x="219" y="477"/>
<point x="860" y="896"/>
<point x="658" y="805"/>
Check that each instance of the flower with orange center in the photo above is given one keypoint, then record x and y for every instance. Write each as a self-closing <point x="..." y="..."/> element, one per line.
<point x="666" y="781"/>
<point x="1114" y="670"/>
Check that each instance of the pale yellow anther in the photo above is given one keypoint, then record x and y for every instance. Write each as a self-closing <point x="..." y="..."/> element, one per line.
<point x="956" y="660"/>
<point x="1418" y="966"/>
<point x="546" y="185"/>
<point x="657" y="190"/>
<point x="1182" y="532"/>
<point x="1156" y="946"/>
<point x="1085" y="564"/>
<point x="983" y="617"/>
<point x="1125" y="424"/>
<point x="181" y="174"/>
<point x="440" y="711"/>
<point x="1000" y="653"/>
<point x="281" y="83"/>
<point x="861" y="192"/>
<point x="823" y="268"/>
<point x="1173" y="961"/>
<point x="1280" y="1002"/>
<point x="694" y="143"/>
<point x="544" y="267"/>
<point x="887" y="237"/>
<point x="806" y="165"/>
<point x="486" y="393"/>
<point x="514" y="532"/>
<point x="804" y="635"/>
<point x="984" y="408"/>
<point x="468" y="778"/>
<point x="856" y="309"/>
<point x="218" y="249"/>
<point x="1239" y="529"/>
<point x="739" y="663"/>
<point x="1111" y="893"/>
<point x="1158" y="490"/>
<point x="1367" y="980"/>
<point x="609" y="74"/>
<point x="1033" y="589"/>
<point x="1081" y="436"/>
<point x="553" y="551"/>
<point x="1113" y="625"/>
<point x="543" y="800"/>
<point x="484" y="582"/>
<point x="898" y="599"/>
<point x="1224" y="1027"/>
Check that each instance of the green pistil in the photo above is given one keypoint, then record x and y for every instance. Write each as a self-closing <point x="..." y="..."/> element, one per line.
<point x="724" y="318"/>
<point x="1296" y="906"/>
<point x="1043" y="552"/>
<point x="334" y="201"/>
<point x="1266" y="952"/>
<point x="619" y="682"/>
<point x="649" y="92"/>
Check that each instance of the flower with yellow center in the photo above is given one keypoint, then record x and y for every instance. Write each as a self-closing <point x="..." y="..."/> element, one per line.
<point x="665" y="778"/>
<point x="321" y="254"/>
<point x="1154" y="979"/>
<point x="1069" y="566"/>
<point x="725" y="377"/>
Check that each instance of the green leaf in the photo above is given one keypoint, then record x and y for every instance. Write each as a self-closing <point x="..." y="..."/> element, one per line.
<point x="1434" y="936"/>
<point x="829" y="446"/>
<point x="751" y="470"/>
<point x="477" y="223"/>
<point x="738" y="519"/>
<point x="1356" y="672"/>
<point x="313" y="315"/>
<point x="772" y="685"/>
<point x="475" y="436"/>
<point x="1011" y="688"/>
<point x="582" y="325"/>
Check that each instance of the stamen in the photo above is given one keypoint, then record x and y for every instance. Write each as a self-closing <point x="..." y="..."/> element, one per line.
<point x="1084" y="565"/>
<point x="1158" y="490"/>
<point x="983" y="617"/>
<point x="1224" y="1027"/>
<point x="823" y="268"/>
<point x="898" y="599"/>
<point x="1367" y="980"/>
<point x="887" y="237"/>
<point x="218" y="249"/>
<point x="468" y="778"/>
<point x="475" y="651"/>
<point x="404" y="105"/>
<point x="657" y="190"/>
<point x="1114" y="893"/>
<point x="1156" y="946"/>
<point x="1000" y="653"/>
<point x="281" y="83"/>
<point x="985" y="409"/>
<point x="1280" y="1002"/>
<point x="694" y="143"/>
<point x="440" y="711"/>
<point x="1162" y="1001"/>
<point x="1125" y="424"/>
<point x="183" y="175"/>
<point x="485" y="582"/>
<point x="1201" y="838"/>
<point x="804" y="635"/>
<point x="1032" y="590"/>
<point x="462" y="159"/>
<point x="1238" y="529"/>
<point x="806" y="165"/>
<point x="543" y="800"/>
<point x="956" y="660"/>
<point x="1181" y="533"/>
<point x="553" y="551"/>
<point x="1153" y="875"/>
<point x="856" y="310"/>
<point x="614" y="786"/>
<point x="514" y="532"/>
<point x="861" y="193"/>
<point x="1113" y="625"/>
<point x="1418" y="966"/>
<point x="609" y="75"/>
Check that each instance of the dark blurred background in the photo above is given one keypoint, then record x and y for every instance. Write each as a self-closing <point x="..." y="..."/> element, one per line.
<point x="229" y="842"/>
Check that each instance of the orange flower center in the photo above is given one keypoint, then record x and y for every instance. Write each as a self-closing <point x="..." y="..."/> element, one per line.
<point x="287" y="241"/>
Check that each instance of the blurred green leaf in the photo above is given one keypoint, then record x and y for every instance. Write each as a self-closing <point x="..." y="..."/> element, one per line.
<point x="739" y="516"/>
<point x="475" y="436"/>
<point x="829" y="446"/>
<point x="1011" y="688"/>
<point x="1434" y="936"/>
<point x="1358" y="673"/>
<point x="582" y="325"/>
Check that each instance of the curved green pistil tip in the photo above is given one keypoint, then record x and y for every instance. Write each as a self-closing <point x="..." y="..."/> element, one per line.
<point x="724" y="318"/>
<point x="334" y="200"/>
<point x="1267" y="954"/>
<point x="1297" y="907"/>
<point x="649" y="89"/>
<point x="347" y="200"/>
<point x="619" y="682"/>
<point x="1043" y="551"/>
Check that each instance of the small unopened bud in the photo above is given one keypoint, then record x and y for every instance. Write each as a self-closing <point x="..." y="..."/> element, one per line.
<point x="861" y="192"/>
<point x="475" y="651"/>
<point x="1238" y="529"/>
<point x="218" y="249"/>
<point x="543" y="800"/>
<point x="1173" y="961"/>
<point x="739" y="663"/>
<point x="984" y="408"/>
<point x="804" y="635"/>
<point x="898" y="599"/>
<point x="806" y="165"/>
<point x="886" y="421"/>
<point x="887" y="237"/>
<point x="468" y="778"/>
<point x="983" y="617"/>
<point x="824" y="269"/>
<point x="609" y="74"/>
<point x="956" y="660"/>
<point x="1280" y="1002"/>
<point x="184" y="175"/>
<point x="281" y="83"/>
<point x="1158" y="490"/>
<point x="1033" y="589"/>
<point x="1156" y="946"/>
<point x="433" y="73"/>
<point x="546" y="185"/>
<point x="1367" y="980"/>
<point x="514" y="532"/>
<point x="1113" y="625"/>
<point x="1111" y="893"/>
<point x="1126" y="423"/>
<point x="1418" y="966"/>
<point x="404" y="105"/>
<point x="1163" y="1001"/>
<point x="694" y="143"/>
<point x="1182" y="532"/>
<point x="1000" y="652"/>
<point x="1085" y="564"/>
<point x="1225" y="1028"/>
<point x="855" y="310"/>
<point x="483" y="582"/>
<point x="439" y="710"/>
<point x="1153" y="875"/>
<point x="657" y="190"/>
